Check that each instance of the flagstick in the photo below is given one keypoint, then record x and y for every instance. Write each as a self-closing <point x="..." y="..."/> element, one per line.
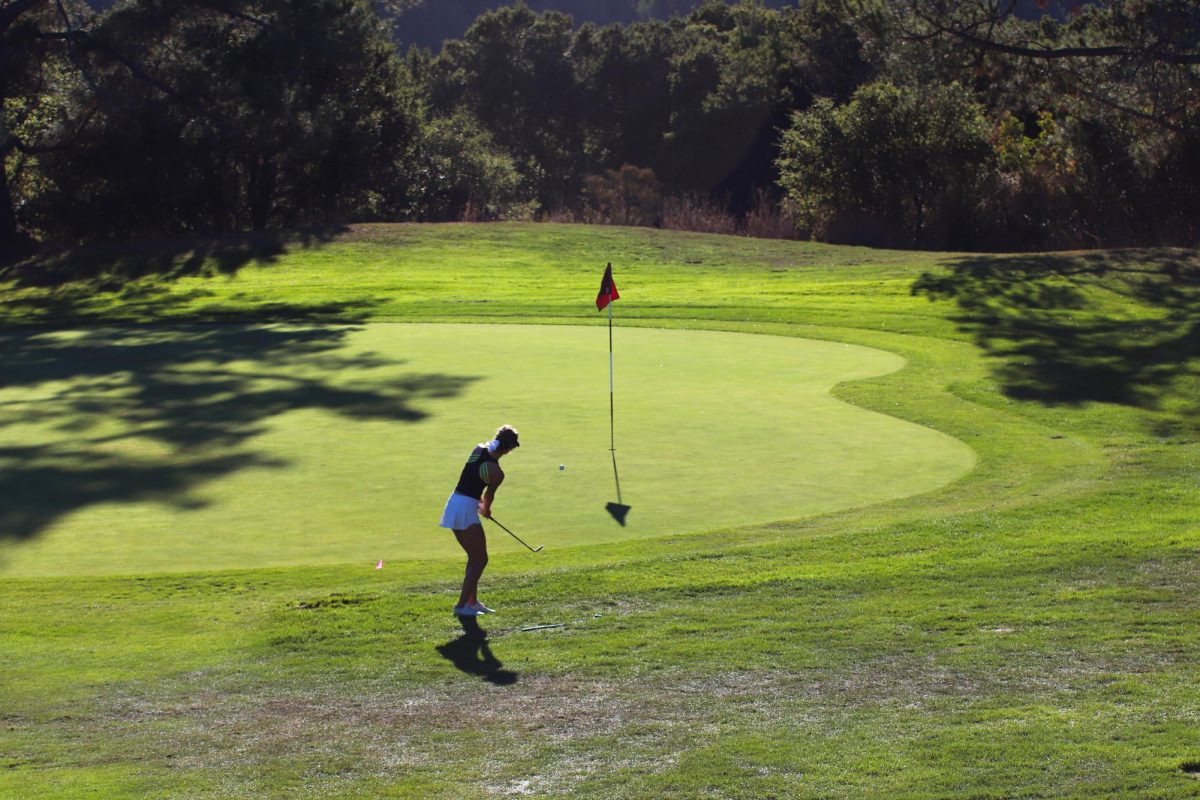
<point x="608" y="291"/>
<point x="612" y="424"/>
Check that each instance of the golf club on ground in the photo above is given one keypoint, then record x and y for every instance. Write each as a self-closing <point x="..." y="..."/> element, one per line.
<point x="510" y="533"/>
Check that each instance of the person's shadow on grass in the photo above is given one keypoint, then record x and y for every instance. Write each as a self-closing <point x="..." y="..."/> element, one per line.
<point x="471" y="654"/>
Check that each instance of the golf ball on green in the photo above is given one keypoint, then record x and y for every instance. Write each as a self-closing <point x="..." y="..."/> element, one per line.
<point x="562" y="466"/>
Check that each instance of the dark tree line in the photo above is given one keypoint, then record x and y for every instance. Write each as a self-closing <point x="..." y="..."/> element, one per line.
<point x="175" y="116"/>
<point x="427" y="23"/>
<point x="921" y="123"/>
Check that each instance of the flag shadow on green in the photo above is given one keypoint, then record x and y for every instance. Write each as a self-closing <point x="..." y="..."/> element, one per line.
<point x="618" y="511"/>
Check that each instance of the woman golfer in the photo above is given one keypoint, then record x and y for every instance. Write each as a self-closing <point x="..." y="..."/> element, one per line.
<point x="472" y="497"/>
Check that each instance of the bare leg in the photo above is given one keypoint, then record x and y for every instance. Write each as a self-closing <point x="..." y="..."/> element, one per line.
<point x="474" y="543"/>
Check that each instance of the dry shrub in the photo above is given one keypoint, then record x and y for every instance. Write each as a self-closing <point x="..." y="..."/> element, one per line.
<point x="697" y="213"/>
<point x="629" y="196"/>
<point x="626" y="196"/>
<point x="562" y="216"/>
<point x="765" y="220"/>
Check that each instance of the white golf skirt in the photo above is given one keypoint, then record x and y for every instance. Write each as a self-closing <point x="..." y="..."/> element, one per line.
<point x="461" y="512"/>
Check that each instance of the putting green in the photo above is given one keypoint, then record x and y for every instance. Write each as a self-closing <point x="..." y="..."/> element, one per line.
<point x="139" y="450"/>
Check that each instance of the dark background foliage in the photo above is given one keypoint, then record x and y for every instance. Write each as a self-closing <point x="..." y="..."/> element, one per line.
<point x="915" y="123"/>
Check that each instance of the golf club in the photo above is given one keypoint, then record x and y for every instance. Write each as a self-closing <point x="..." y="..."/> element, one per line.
<point x="510" y="533"/>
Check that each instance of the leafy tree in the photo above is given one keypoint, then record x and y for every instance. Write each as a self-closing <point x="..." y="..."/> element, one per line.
<point x="894" y="166"/>
<point x="428" y="23"/>
<point x="512" y="71"/>
<point x="918" y="122"/>
<point x="737" y="74"/>
<point x="231" y="115"/>
<point x="624" y="82"/>
<point x="1138" y="57"/>
<point x="460" y="173"/>
<point x="1124" y="73"/>
<point x="35" y="81"/>
<point x="663" y="8"/>
<point x="725" y="92"/>
<point x="824" y="41"/>
<point x="1176" y="197"/>
<point x="1035" y="196"/>
<point x="698" y="100"/>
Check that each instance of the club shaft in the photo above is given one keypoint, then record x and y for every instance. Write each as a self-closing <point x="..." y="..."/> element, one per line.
<point x="510" y="533"/>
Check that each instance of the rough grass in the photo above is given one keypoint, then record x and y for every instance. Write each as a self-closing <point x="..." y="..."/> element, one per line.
<point x="1026" y="632"/>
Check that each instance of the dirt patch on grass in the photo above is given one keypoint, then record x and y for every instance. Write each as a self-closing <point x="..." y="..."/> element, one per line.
<point x="544" y="735"/>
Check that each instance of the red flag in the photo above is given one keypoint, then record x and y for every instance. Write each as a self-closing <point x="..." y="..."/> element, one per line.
<point x="608" y="290"/>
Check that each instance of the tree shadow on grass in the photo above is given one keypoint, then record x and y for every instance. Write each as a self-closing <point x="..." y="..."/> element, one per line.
<point x="151" y="413"/>
<point x="471" y="654"/>
<point x="137" y="282"/>
<point x="113" y="264"/>
<point x="1117" y="327"/>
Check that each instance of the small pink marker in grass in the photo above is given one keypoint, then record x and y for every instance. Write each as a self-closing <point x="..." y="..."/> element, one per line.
<point x="380" y="564"/>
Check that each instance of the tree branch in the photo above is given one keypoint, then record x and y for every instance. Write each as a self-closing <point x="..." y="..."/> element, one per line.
<point x="14" y="11"/>
<point x="967" y="30"/>
<point x="230" y="12"/>
<point x="1058" y="53"/>
<point x="135" y="69"/>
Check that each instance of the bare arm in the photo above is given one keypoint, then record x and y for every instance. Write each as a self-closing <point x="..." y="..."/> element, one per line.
<point x="493" y="476"/>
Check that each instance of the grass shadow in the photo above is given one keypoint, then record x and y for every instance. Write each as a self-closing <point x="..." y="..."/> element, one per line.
<point x="1117" y="327"/>
<point x="118" y="262"/>
<point x="131" y="414"/>
<point x="135" y="281"/>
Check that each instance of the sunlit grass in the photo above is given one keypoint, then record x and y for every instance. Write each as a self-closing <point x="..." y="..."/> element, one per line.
<point x="208" y="447"/>
<point x="1027" y="631"/>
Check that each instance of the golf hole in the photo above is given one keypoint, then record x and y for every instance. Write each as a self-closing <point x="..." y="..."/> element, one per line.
<point x="1190" y="768"/>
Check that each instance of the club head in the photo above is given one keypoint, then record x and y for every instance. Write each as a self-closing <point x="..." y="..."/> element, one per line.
<point x="618" y="512"/>
<point x="538" y="549"/>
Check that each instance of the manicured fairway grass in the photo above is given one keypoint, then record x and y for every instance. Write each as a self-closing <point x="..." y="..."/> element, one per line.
<point x="199" y="448"/>
<point x="1027" y="630"/>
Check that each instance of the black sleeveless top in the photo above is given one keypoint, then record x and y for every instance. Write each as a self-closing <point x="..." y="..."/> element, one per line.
<point x="474" y="478"/>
